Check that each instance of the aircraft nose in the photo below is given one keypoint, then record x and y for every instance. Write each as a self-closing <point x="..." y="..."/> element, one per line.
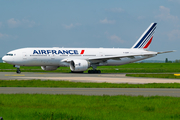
<point x="7" y="59"/>
<point x="4" y="58"/>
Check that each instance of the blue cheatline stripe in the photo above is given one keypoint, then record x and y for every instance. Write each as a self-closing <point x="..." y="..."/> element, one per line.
<point x="145" y="35"/>
<point x="146" y="41"/>
<point x="142" y="40"/>
<point x="148" y="38"/>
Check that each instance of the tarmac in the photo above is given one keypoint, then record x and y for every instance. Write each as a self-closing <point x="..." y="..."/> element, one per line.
<point x="99" y="78"/>
<point x="93" y="91"/>
<point x="74" y="77"/>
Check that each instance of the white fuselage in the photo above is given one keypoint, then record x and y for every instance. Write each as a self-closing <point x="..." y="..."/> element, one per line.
<point x="55" y="56"/>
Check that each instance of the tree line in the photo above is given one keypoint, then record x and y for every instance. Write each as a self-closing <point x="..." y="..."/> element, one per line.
<point x="169" y="61"/>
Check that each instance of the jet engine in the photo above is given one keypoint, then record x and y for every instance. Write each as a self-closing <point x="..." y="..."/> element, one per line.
<point x="49" y="67"/>
<point x="79" y="65"/>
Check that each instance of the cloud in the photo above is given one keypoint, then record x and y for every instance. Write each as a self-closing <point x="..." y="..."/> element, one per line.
<point x="174" y="34"/>
<point x="116" y="10"/>
<point x="12" y="23"/>
<point x="3" y="35"/>
<point x="71" y="25"/>
<point x="106" y="21"/>
<point x="116" y="39"/>
<point x="165" y="14"/>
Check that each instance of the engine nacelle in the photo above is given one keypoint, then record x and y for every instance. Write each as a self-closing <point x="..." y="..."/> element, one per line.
<point x="49" y="67"/>
<point x="79" y="65"/>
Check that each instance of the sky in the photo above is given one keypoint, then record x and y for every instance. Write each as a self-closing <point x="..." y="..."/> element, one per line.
<point x="89" y="24"/>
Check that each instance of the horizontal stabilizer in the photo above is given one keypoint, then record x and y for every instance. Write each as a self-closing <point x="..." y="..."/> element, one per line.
<point x="165" y="52"/>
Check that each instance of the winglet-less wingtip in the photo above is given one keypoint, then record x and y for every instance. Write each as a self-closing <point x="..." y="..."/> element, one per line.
<point x="166" y="52"/>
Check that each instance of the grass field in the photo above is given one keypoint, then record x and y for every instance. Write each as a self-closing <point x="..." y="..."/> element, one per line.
<point x="128" y="68"/>
<point x="77" y="107"/>
<point x="67" y="84"/>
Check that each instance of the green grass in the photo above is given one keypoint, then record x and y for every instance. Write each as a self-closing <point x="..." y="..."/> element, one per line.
<point x="67" y="84"/>
<point x="78" y="107"/>
<point x="5" y="67"/>
<point x="154" y="75"/>
<point x="128" y="68"/>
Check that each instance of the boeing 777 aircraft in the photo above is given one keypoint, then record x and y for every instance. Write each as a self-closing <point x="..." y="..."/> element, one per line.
<point x="80" y="59"/>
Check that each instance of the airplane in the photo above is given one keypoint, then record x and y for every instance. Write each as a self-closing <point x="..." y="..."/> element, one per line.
<point x="80" y="59"/>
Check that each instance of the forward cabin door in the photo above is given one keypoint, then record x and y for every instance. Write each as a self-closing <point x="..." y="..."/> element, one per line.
<point x="24" y="55"/>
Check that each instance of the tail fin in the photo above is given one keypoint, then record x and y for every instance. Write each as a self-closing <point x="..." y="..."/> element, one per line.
<point x="145" y="40"/>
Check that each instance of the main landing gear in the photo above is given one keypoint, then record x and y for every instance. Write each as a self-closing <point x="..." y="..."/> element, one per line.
<point x="77" y="71"/>
<point x="94" y="70"/>
<point x="18" y="71"/>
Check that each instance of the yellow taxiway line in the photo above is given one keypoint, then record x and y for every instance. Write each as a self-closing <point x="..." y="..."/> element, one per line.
<point x="14" y="75"/>
<point x="177" y="74"/>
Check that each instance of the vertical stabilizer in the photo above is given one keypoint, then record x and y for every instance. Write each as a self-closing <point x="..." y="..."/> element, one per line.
<point x="145" y="40"/>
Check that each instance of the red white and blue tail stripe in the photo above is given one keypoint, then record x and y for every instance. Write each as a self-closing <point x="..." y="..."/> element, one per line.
<point x="145" y="40"/>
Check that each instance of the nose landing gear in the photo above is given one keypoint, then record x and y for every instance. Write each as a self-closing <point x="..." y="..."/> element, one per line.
<point x="18" y="71"/>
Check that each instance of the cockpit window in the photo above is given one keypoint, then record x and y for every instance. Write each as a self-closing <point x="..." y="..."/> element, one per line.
<point x="9" y="54"/>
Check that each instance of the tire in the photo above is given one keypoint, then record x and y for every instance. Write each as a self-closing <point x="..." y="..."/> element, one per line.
<point x="94" y="71"/>
<point x="18" y="71"/>
<point x="77" y="71"/>
<point x="98" y="71"/>
<point x="89" y="71"/>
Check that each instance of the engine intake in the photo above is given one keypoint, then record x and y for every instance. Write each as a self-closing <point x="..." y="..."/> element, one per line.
<point x="79" y="65"/>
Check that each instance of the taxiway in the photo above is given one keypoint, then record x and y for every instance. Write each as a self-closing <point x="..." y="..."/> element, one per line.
<point x="74" y="77"/>
<point x="92" y="91"/>
<point x="109" y="78"/>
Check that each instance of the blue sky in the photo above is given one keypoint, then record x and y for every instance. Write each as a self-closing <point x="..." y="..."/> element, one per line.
<point x="100" y="23"/>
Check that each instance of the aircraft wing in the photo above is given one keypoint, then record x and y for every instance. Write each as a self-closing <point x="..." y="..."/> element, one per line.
<point x="129" y="55"/>
<point x="105" y="58"/>
<point x="121" y="56"/>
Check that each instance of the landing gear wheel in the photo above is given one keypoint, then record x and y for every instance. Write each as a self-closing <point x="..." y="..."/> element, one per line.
<point x="98" y="71"/>
<point x="18" y="71"/>
<point x="77" y="71"/>
<point x="94" y="71"/>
